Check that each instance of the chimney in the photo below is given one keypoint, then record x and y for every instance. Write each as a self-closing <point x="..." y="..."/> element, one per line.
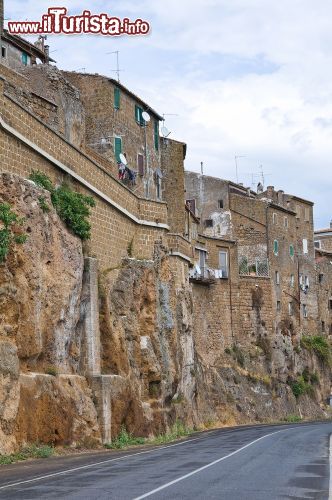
<point x="280" y="197"/>
<point x="47" y="52"/>
<point x="269" y="192"/>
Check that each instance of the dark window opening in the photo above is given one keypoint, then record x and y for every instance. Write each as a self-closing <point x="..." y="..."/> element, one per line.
<point x="3" y="52"/>
<point x="323" y="326"/>
<point x="191" y="204"/>
<point x="330" y="304"/>
<point x="320" y="278"/>
<point x="221" y="203"/>
<point x="208" y="223"/>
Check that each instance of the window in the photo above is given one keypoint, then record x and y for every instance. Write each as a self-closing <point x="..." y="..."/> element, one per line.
<point x="223" y="263"/>
<point x="191" y="204"/>
<point x="208" y="223"/>
<point x="138" y="115"/>
<point x="117" y="148"/>
<point x="320" y="278"/>
<point x="298" y="211"/>
<point x="116" y="98"/>
<point x="291" y="250"/>
<point x="277" y="278"/>
<point x="292" y="280"/>
<point x="305" y="245"/>
<point x="202" y="259"/>
<point x="330" y="304"/>
<point x="305" y="310"/>
<point x="290" y="308"/>
<point x="307" y="214"/>
<point x="220" y="203"/>
<point x="317" y="244"/>
<point x="278" y="305"/>
<point x="3" y="52"/>
<point x="275" y="247"/>
<point x="306" y="281"/>
<point x="286" y="222"/>
<point x="323" y="326"/>
<point x="140" y="164"/>
<point x="274" y="218"/>
<point x="24" y="58"/>
<point x="156" y="135"/>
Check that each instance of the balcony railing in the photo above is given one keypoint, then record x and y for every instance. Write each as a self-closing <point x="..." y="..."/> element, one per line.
<point x="257" y="267"/>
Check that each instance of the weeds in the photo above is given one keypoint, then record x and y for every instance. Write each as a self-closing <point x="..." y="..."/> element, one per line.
<point x="51" y="370"/>
<point x="319" y="345"/>
<point x="125" y="439"/>
<point x="8" y="237"/>
<point x="292" y="418"/>
<point x="32" y="451"/>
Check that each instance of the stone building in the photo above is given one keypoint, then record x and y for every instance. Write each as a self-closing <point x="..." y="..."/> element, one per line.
<point x="16" y="52"/>
<point x="323" y="239"/>
<point x="115" y="125"/>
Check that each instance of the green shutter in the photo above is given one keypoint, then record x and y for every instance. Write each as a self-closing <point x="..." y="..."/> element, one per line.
<point x="138" y="115"/>
<point x="156" y="135"/>
<point x="291" y="250"/>
<point x="24" y="58"/>
<point x="116" y="98"/>
<point x="117" y="148"/>
<point x="275" y="247"/>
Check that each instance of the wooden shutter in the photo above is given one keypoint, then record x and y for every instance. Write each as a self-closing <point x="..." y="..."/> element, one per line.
<point x="275" y="247"/>
<point x="140" y="164"/>
<point x="116" y="98"/>
<point x="138" y="115"/>
<point x="117" y="148"/>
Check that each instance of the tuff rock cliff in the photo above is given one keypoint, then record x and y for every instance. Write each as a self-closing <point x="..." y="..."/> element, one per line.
<point x="156" y="365"/>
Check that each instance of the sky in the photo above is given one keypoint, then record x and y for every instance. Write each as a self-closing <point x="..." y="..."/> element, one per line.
<point x="245" y="78"/>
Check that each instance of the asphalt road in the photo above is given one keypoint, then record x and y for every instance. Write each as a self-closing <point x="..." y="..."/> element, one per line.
<point x="251" y="463"/>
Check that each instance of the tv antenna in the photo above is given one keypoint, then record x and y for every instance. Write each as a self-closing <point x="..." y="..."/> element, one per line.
<point x="164" y="130"/>
<point x="117" y="70"/>
<point x="236" y="157"/>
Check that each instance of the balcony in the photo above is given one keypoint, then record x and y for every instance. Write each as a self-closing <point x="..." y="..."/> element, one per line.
<point x="258" y="268"/>
<point x="203" y="275"/>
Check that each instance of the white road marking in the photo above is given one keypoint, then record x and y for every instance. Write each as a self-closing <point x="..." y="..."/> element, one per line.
<point x="330" y="456"/>
<point x="196" y="471"/>
<point x="68" y="471"/>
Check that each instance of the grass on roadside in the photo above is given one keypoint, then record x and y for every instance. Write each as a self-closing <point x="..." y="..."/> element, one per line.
<point x="125" y="439"/>
<point x="32" y="451"/>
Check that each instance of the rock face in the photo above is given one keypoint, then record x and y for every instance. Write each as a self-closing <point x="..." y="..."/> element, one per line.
<point x="157" y="364"/>
<point x="40" y="290"/>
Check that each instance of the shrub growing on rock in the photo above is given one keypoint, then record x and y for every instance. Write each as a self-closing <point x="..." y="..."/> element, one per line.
<point x="72" y="207"/>
<point x="8" y="236"/>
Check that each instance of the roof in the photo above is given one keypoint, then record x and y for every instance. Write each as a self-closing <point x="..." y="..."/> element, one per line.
<point x="320" y="231"/>
<point x="283" y="209"/>
<point x="23" y="44"/>
<point x="231" y="183"/>
<point x="323" y="253"/>
<point x="302" y="200"/>
<point x="123" y="88"/>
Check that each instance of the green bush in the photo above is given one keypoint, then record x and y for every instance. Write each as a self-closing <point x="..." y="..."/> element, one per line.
<point x="300" y="387"/>
<point x="319" y="345"/>
<point x="292" y="418"/>
<point x="72" y="207"/>
<point x="7" y="236"/>
<point x="51" y="370"/>
<point x="125" y="439"/>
